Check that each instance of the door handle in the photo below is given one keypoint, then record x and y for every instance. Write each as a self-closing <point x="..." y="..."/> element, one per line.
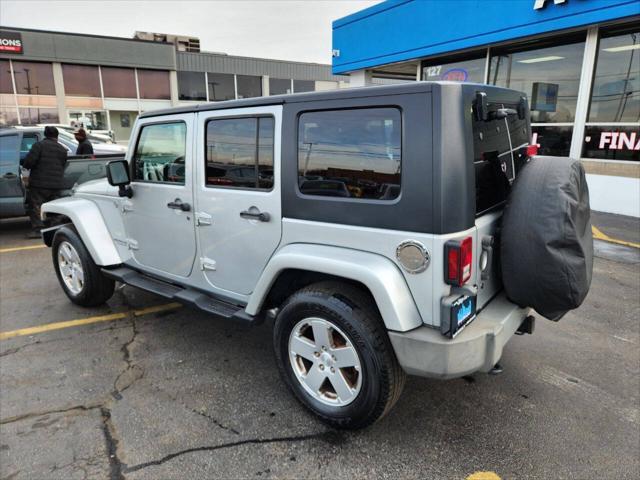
<point x="255" y="215"/>
<point x="178" y="204"/>
<point x="9" y="176"/>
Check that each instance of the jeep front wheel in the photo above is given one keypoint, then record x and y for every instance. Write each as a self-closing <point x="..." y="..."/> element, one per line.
<point x="79" y="276"/>
<point x="334" y="354"/>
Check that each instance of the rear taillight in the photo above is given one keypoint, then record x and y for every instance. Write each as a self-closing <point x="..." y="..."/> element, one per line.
<point x="532" y="150"/>
<point x="459" y="257"/>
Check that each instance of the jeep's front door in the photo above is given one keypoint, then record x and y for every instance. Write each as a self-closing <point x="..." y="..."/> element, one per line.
<point x="238" y="195"/>
<point x="158" y="219"/>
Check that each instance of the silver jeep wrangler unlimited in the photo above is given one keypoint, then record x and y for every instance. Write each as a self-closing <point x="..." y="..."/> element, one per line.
<point x="369" y="224"/>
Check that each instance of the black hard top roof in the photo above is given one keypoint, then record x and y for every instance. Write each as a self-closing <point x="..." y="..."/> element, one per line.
<point x="343" y="93"/>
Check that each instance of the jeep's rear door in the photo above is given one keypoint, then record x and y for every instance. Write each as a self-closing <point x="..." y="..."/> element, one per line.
<point x="501" y="133"/>
<point x="158" y="219"/>
<point x="238" y="195"/>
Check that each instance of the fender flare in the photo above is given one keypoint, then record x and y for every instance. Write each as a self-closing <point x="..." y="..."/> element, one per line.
<point x="88" y="221"/>
<point x="381" y="276"/>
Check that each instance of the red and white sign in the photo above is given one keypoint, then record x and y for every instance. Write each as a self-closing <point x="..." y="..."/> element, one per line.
<point x="10" y="42"/>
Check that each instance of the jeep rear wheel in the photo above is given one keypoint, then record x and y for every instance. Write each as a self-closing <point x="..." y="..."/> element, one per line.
<point x="79" y="276"/>
<point x="333" y="352"/>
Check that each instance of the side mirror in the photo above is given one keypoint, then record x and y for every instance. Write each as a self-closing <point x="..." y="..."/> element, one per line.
<point x="118" y="176"/>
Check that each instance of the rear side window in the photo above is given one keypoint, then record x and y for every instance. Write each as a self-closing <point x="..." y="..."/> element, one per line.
<point x="239" y="153"/>
<point x="160" y="153"/>
<point x="350" y="153"/>
<point x="498" y="154"/>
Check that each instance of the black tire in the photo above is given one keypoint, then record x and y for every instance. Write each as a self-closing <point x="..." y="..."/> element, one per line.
<point x="354" y="312"/>
<point x="546" y="239"/>
<point x="96" y="288"/>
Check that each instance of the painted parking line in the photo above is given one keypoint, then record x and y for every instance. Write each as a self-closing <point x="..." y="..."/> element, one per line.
<point x="18" y="249"/>
<point x="483" y="476"/>
<point x="599" y="235"/>
<point x="87" y="321"/>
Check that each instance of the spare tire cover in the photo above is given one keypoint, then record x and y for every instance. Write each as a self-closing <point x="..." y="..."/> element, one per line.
<point x="546" y="240"/>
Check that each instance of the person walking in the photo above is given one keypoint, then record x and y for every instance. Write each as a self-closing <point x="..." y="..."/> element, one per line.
<point x="46" y="161"/>
<point x="84" y="145"/>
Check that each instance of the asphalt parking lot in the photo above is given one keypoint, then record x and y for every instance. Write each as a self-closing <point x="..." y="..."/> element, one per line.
<point x="147" y="390"/>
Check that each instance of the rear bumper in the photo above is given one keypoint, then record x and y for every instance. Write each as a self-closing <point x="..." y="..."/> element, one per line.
<point x="425" y="352"/>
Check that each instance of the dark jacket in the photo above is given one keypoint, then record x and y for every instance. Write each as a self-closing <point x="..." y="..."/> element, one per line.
<point x="46" y="160"/>
<point x="84" y="148"/>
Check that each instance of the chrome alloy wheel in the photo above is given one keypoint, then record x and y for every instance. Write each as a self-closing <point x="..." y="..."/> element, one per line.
<point x="325" y="362"/>
<point x="70" y="268"/>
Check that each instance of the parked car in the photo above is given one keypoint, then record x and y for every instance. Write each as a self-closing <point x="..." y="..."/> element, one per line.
<point x="458" y="231"/>
<point x="15" y="143"/>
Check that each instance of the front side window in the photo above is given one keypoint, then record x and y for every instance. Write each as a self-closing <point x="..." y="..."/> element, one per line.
<point x="239" y="152"/>
<point x="160" y="153"/>
<point x="350" y="153"/>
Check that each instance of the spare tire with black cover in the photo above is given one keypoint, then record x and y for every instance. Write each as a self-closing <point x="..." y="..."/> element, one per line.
<point x="546" y="240"/>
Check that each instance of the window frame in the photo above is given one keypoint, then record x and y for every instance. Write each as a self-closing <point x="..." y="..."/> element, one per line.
<point x="133" y="162"/>
<point x="273" y="144"/>
<point x="330" y="198"/>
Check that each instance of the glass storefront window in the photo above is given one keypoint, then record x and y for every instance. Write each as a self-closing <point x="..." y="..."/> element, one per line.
<point x="96" y="120"/>
<point x="300" y="86"/>
<point x="249" y="86"/>
<point x="464" y="70"/>
<point x="119" y="82"/>
<point x="549" y="76"/>
<point x="191" y="86"/>
<point x="221" y="87"/>
<point x="553" y="141"/>
<point x="34" y="115"/>
<point x="34" y="78"/>
<point x="8" y="116"/>
<point x="154" y="84"/>
<point x="612" y="143"/>
<point x="615" y="96"/>
<point x="81" y="80"/>
<point x="279" y="86"/>
<point x="6" y="85"/>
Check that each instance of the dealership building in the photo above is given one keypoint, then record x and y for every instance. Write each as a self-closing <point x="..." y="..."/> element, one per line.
<point x="578" y="61"/>
<point x="105" y="82"/>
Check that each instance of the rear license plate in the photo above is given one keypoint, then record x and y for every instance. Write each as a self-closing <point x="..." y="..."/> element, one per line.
<point x="463" y="311"/>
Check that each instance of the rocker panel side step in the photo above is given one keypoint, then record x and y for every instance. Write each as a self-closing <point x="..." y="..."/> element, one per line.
<point x="180" y="294"/>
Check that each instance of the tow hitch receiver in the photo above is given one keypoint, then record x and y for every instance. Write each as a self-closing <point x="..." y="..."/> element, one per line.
<point x="527" y="325"/>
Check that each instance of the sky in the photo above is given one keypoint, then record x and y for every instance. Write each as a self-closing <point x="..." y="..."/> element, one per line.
<point x="298" y="30"/>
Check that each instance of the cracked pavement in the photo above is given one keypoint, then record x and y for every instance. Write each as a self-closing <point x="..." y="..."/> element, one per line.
<point x="181" y="394"/>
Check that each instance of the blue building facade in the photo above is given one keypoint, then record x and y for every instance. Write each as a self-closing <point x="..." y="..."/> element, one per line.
<point x="577" y="60"/>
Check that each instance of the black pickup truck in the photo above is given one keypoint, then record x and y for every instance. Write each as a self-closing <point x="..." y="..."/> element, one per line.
<point x="15" y="143"/>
